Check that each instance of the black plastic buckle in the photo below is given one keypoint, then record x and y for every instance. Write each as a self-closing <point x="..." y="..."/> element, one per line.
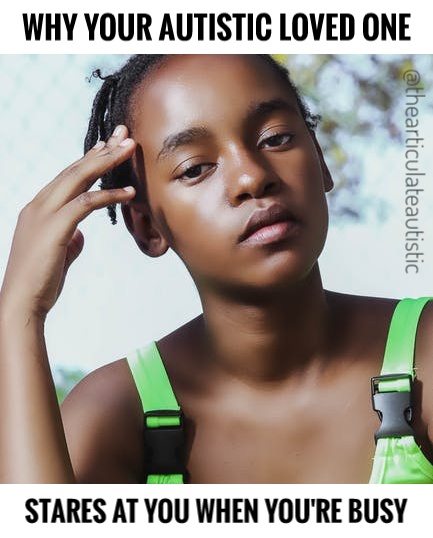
<point x="164" y="445"/>
<point x="394" y="408"/>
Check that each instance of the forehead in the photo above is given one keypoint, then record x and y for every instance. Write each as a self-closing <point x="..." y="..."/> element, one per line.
<point x="203" y="89"/>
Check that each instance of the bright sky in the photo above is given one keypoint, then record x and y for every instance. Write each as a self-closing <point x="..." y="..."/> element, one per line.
<point x="115" y="298"/>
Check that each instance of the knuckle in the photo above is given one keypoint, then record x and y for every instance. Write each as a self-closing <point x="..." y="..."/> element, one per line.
<point x="71" y="170"/>
<point x="97" y="147"/>
<point x="27" y="211"/>
<point x="85" y="199"/>
<point x="108" y="152"/>
<point x="111" y="193"/>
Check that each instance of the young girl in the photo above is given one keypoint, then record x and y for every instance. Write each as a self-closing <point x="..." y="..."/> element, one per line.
<point x="277" y="380"/>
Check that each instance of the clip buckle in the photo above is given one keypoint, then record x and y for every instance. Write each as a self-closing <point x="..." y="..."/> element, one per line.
<point x="164" y="444"/>
<point x="394" y="408"/>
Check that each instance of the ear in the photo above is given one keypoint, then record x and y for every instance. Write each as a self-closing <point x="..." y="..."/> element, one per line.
<point x="140" y="224"/>
<point x="327" y="178"/>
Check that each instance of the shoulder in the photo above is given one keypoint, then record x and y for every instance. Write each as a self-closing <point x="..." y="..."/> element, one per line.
<point x="360" y="323"/>
<point x="362" y="306"/>
<point x="365" y="322"/>
<point x="424" y="340"/>
<point x="103" y="420"/>
<point x="424" y="366"/>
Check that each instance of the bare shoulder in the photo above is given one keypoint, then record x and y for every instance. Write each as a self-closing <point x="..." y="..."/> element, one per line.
<point x="361" y="323"/>
<point x="424" y="365"/>
<point x="371" y="317"/>
<point x="362" y="306"/>
<point x="103" y="421"/>
<point x="424" y="341"/>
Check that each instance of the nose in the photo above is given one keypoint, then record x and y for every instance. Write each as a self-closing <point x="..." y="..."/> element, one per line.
<point x="250" y="176"/>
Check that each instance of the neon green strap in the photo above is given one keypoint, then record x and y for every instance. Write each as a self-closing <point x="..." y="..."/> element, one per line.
<point x="398" y="460"/>
<point x="156" y="394"/>
<point x="152" y="380"/>
<point x="400" y="346"/>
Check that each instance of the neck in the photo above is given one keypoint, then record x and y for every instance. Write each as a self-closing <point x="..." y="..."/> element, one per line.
<point x="270" y="338"/>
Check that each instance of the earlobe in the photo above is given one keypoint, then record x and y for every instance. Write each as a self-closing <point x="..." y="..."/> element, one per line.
<point x="139" y="222"/>
<point x="328" y="181"/>
<point x="327" y="177"/>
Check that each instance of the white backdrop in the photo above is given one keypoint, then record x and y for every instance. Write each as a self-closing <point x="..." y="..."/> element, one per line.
<point x="115" y="298"/>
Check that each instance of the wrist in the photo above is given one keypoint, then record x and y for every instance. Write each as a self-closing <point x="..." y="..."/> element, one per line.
<point x="17" y="313"/>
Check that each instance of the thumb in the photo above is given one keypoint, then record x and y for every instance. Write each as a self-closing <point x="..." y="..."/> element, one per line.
<point x="75" y="246"/>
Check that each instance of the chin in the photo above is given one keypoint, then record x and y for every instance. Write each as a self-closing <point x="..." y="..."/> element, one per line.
<point x="280" y="275"/>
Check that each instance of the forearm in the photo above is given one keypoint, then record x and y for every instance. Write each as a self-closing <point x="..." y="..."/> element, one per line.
<point x="45" y="243"/>
<point x="33" y="447"/>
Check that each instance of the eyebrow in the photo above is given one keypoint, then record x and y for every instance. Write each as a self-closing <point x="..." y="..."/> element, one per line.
<point x="191" y="135"/>
<point x="265" y="107"/>
<point x="182" y="138"/>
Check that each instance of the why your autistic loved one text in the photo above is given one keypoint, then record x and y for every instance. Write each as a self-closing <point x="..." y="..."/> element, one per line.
<point x="218" y="27"/>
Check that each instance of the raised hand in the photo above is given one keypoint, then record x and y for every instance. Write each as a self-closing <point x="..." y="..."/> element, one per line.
<point x="32" y="442"/>
<point x="47" y="240"/>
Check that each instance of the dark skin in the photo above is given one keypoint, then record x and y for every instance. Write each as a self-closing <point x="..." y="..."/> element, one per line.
<point x="274" y="376"/>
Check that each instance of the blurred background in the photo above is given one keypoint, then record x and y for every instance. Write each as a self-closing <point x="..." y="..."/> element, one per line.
<point x="115" y="298"/>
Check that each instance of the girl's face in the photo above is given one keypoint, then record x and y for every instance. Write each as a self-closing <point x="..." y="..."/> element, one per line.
<point x="235" y="182"/>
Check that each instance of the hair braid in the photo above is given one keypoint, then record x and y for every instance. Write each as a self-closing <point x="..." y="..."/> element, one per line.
<point x="101" y="126"/>
<point x="111" y="108"/>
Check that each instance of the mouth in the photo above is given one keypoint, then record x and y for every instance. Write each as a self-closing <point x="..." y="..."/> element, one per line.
<point x="270" y="225"/>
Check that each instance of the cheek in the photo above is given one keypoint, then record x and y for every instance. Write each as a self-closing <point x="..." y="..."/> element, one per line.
<point x="306" y="179"/>
<point x="307" y="169"/>
<point x="303" y="178"/>
<point x="188" y="217"/>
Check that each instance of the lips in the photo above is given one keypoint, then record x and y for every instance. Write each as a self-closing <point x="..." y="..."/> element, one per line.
<point x="272" y="224"/>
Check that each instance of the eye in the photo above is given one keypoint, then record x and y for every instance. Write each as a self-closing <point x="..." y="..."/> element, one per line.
<point x="280" y="140"/>
<point x="195" y="172"/>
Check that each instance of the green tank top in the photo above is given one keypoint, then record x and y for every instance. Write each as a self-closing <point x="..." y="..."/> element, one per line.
<point x="397" y="460"/>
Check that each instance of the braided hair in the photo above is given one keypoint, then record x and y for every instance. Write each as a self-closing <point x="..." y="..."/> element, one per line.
<point x="111" y="107"/>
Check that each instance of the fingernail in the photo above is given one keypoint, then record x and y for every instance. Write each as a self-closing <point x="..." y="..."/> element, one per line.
<point x="117" y="130"/>
<point x="126" y="142"/>
<point x="129" y="189"/>
<point x="99" y="144"/>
